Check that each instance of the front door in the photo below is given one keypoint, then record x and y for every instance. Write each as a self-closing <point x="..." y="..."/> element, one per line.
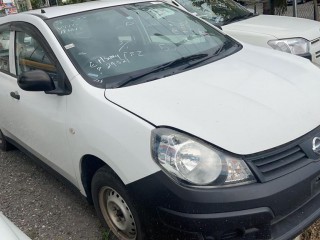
<point x="39" y="122"/>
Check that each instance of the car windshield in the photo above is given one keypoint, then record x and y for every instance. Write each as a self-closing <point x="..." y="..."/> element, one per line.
<point x="217" y="12"/>
<point x="131" y="44"/>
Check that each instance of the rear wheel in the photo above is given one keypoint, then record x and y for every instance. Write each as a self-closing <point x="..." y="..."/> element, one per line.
<point x="114" y="206"/>
<point x="4" y="144"/>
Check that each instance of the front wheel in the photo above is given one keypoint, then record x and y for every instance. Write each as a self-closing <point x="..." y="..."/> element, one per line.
<point x="114" y="206"/>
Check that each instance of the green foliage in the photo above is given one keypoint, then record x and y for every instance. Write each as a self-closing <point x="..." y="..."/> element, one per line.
<point x="280" y="6"/>
<point x="74" y="1"/>
<point x="105" y="235"/>
<point x="35" y="4"/>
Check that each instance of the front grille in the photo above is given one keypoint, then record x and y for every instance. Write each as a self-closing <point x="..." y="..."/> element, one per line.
<point x="279" y="163"/>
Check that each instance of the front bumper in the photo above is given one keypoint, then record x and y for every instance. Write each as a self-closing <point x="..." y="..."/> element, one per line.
<point x="252" y="223"/>
<point x="278" y="209"/>
<point x="246" y="224"/>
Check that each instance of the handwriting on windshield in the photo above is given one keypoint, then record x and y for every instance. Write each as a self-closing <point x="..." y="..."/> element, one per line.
<point x="67" y="28"/>
<point x="113" y="61"/>
<point x="74" y="25"/>
<point x="123" y="44"/>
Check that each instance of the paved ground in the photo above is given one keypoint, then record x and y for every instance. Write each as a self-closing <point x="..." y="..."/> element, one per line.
<point x="42" y="206"/>
<point x="313" y="233"/>
<point x="45" y="209"/>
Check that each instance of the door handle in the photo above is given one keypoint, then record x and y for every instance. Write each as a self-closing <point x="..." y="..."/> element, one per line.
<point x="15" y="95"/>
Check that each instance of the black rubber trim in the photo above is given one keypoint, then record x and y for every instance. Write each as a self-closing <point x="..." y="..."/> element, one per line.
<point x="219" y="223"/>
<point x="296" y="222"/>
<point x="214" y="222"/>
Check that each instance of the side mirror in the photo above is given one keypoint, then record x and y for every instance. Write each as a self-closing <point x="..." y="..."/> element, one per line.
<point x="35" y="80"/>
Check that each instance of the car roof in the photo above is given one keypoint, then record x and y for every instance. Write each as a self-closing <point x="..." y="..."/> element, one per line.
<point x="52" y="12"/>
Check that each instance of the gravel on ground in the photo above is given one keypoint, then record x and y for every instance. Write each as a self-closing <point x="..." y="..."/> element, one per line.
<point x="45" y="208"/>
<point x="42" y="206"/>
<point x="312" y="233"/>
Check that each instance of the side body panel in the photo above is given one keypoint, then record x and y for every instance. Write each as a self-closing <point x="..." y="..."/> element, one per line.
<point x="102" y="129"/>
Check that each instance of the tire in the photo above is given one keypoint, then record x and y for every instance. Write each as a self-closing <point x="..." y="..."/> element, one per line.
<point x="114" y="206"/>
<point x="4" y="144"/>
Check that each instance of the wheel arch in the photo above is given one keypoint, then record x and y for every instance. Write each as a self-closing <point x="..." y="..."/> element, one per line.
<point x="89" y="165"/>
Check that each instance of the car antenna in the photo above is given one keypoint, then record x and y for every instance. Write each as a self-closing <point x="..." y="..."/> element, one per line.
<point x="43" y="11"/>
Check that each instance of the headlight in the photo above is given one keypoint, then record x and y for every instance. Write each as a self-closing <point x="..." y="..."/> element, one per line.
<point x="192" y="161"/>
<point x="293" y="45"/>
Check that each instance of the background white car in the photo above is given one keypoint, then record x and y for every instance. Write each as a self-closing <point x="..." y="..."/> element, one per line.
<point x="292" y="35"/>
<point x="9" y="231"/>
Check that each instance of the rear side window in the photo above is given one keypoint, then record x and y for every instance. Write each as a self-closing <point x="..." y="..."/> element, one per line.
<point x="4" y="50"/>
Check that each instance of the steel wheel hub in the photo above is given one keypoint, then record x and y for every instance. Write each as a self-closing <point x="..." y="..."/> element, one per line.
<point x="117" y="214"/>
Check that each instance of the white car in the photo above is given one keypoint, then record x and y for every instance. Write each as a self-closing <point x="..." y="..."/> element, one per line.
<point x="292" y="35"/>
<point x="9" y="231"/>
<point x="172" y="128"/>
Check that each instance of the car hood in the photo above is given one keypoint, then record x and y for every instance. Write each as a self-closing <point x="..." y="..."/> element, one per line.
<point x="252" y="101"/>
<point x="277" y="26"/>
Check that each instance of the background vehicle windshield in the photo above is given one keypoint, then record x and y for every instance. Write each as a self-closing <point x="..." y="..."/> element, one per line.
<point x="218" y="12"/>
<point x="137" y="43"/>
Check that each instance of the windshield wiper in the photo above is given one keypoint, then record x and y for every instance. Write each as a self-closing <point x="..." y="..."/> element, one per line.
<point x="178" y="62"/>
<point x="216" y="53"/>
<point x="189" y="38"/>
<point x="239" y="17"/>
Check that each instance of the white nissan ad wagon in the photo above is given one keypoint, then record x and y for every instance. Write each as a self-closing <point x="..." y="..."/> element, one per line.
<point x="171" y="128"/>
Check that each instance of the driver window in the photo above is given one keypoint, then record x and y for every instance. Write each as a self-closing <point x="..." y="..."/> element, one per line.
<point x="31" y="56"/>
